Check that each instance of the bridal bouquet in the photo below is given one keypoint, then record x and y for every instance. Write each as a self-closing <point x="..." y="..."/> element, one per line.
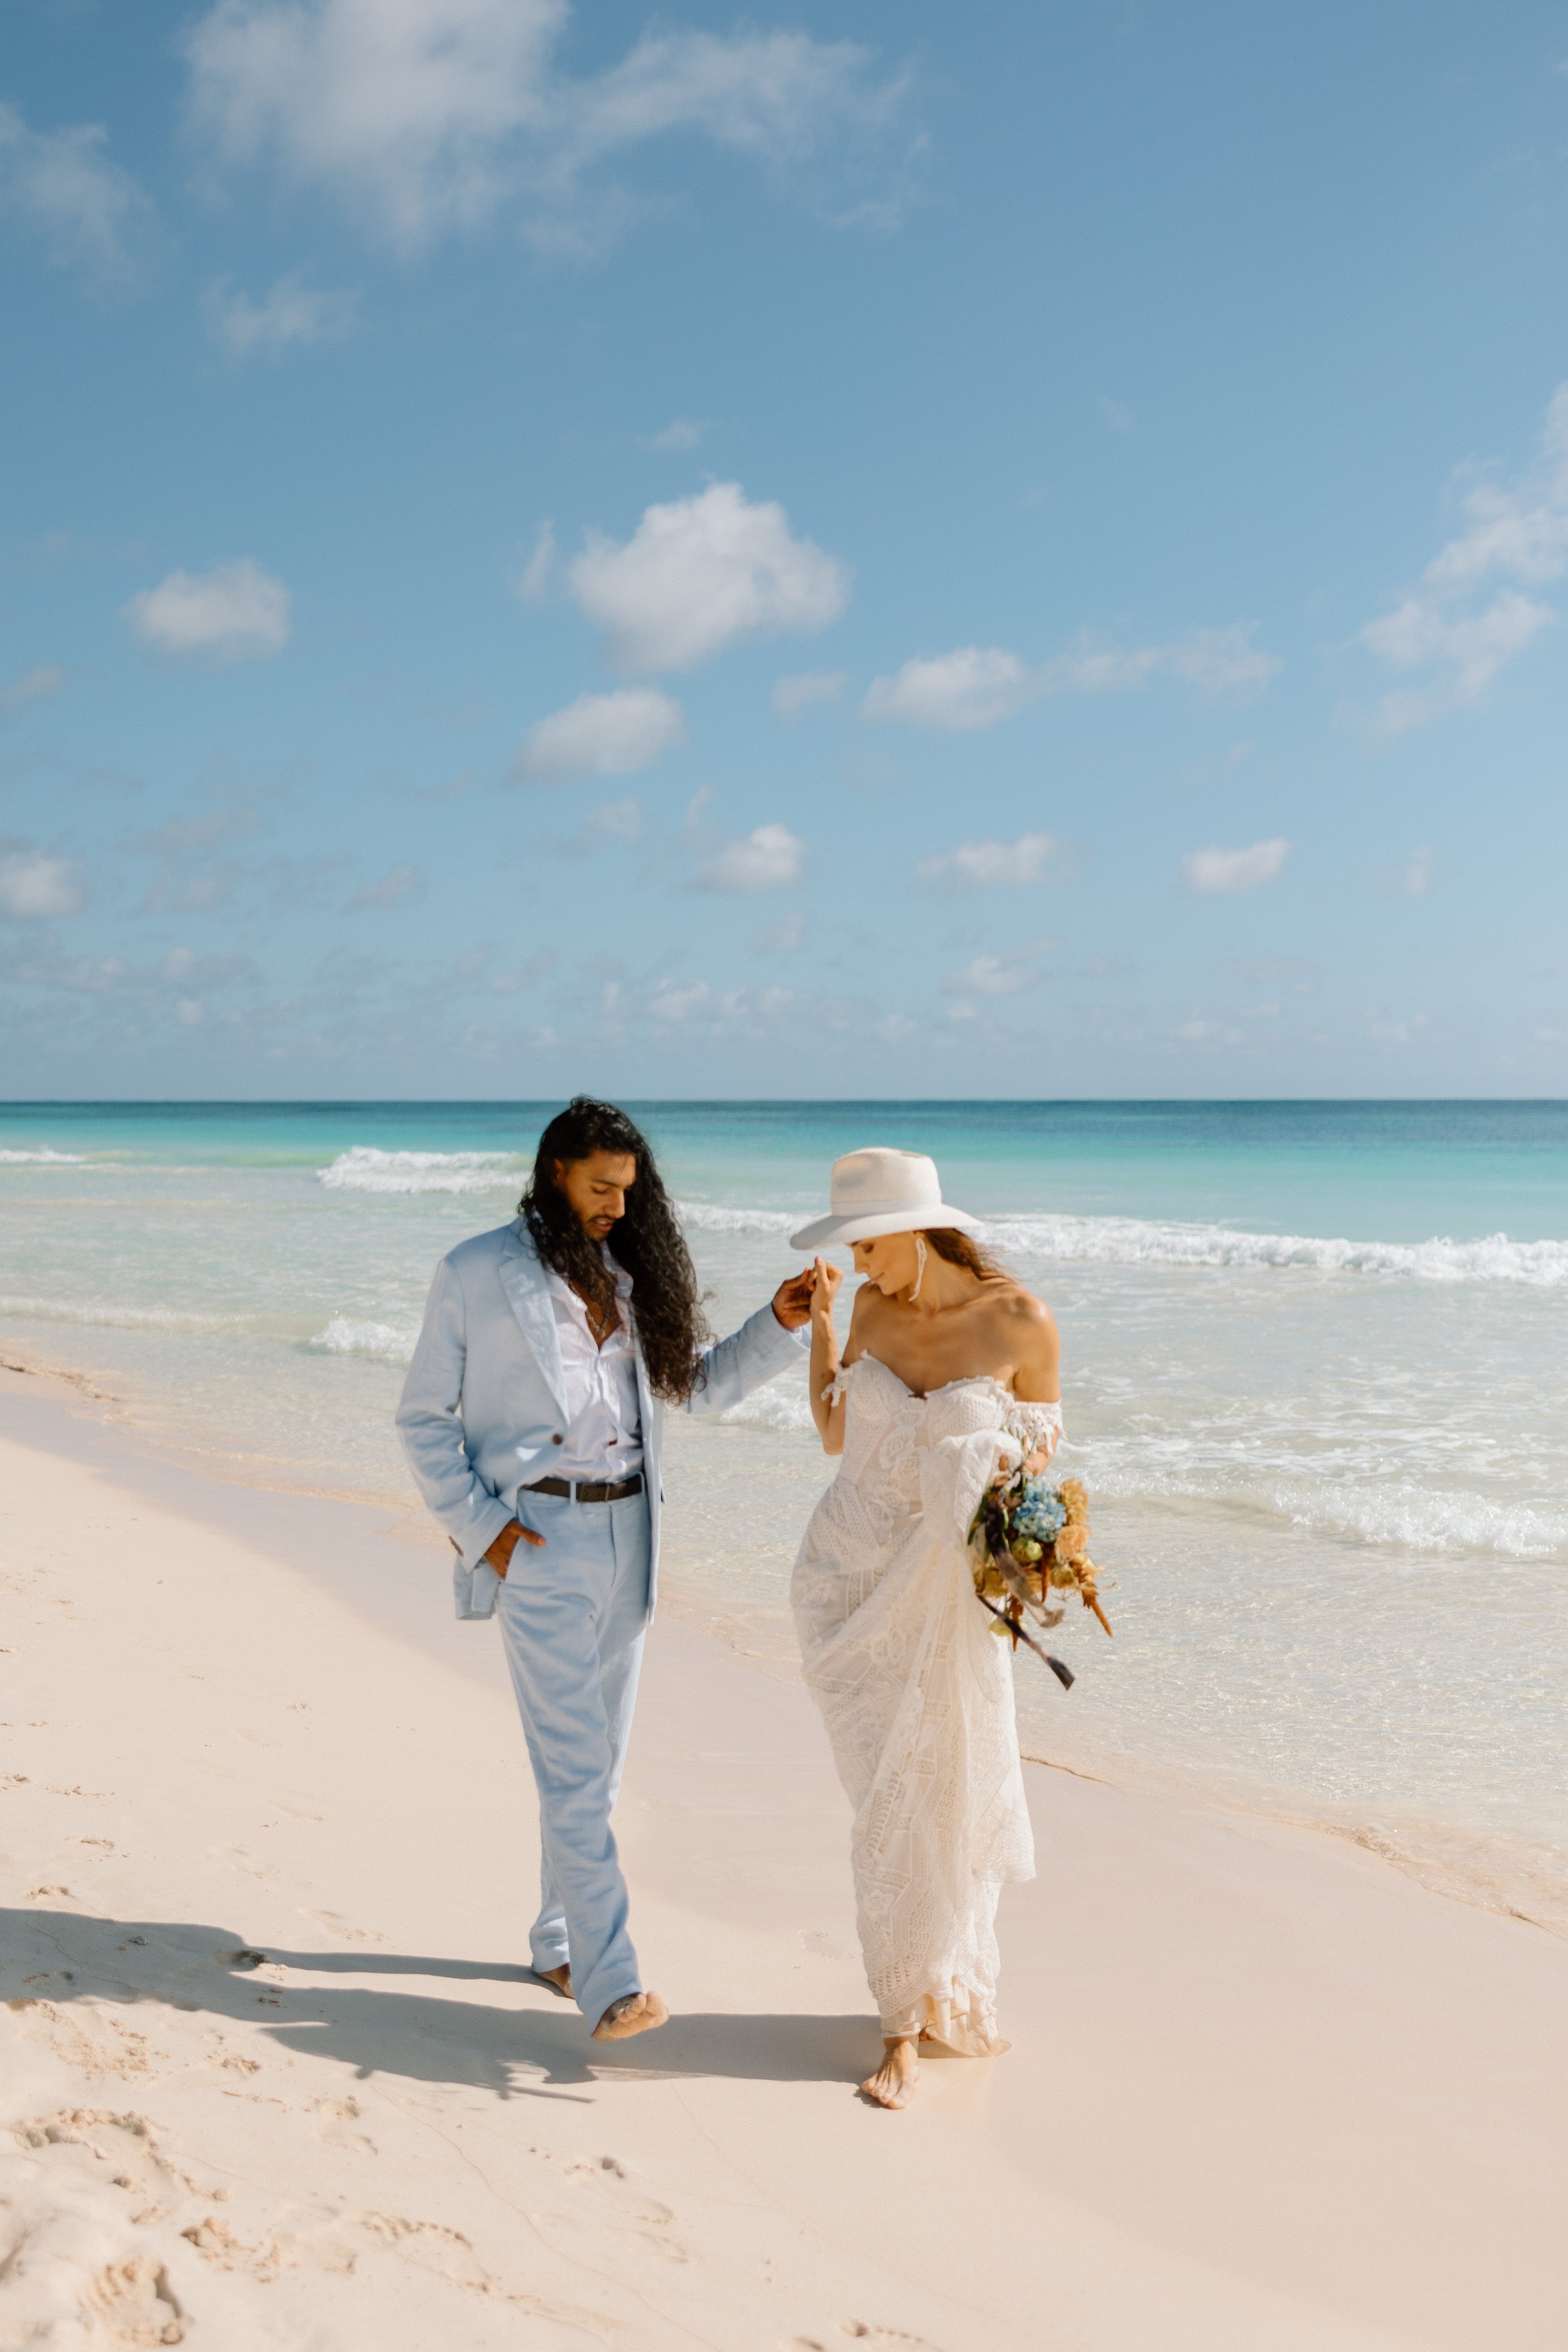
<point x="1030" y="1539"/>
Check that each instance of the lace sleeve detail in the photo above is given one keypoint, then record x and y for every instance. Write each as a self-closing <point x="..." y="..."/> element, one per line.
<point x="837" y="1388"/>
<point x="1036" y="1425"/>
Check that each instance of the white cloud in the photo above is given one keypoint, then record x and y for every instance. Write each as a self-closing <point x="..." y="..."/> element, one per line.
<point x="236" y="613"/>
<point x="668" y="1003"/>
<point x="786" y="936"/>
<point x="995" y="975"/>
<point x="602" y="735"/>
<point x="972" y="688"/>
<point x="428" y="116"/>
<point x="1205" y="871"/>
<point x="88" y="211"/>
<point x="790" y="696"/>
<point x="37" y="685"/>
<point x="681" y="432"/>
<point x="292" y="313"/>
<point x="976" y="865"/>
<point x="771" y="859"/>
<point x="391" y="890"/>
<point x="702" y="573"/>
<point x="978" y="685"/>
<point x="1459" y="623"/>
<point x="615" y="821"/>
<point x="1414" y="879"/>
<point x="36" y="887"/>
<point x="535" y="580"/>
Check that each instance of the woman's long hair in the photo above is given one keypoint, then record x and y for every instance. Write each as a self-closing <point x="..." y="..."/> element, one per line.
<point x="955" y="1246"/>
<point x="647" y="1242"/>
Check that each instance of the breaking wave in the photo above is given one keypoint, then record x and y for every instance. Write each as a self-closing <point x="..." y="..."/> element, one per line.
<point x="379" y="1342"/>
<point x="41" y="1157"/>
<point x="1137" y="1241"/>
<point x="709" y="1218"/>
<point x="362" y="1169"/>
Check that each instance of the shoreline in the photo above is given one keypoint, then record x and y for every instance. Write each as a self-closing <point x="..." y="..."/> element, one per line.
<point x="1488" y="1871"/>
<point x="1253" y="2071"/>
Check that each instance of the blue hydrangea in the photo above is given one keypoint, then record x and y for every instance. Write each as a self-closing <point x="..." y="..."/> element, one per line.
<point x="1038" y="1512"/>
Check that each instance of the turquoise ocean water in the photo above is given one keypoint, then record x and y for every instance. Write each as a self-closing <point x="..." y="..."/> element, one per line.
<point x="1315" y="1375"/>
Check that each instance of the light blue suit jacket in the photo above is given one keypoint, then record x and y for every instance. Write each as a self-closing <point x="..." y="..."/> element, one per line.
<point x="486" y="1395"/>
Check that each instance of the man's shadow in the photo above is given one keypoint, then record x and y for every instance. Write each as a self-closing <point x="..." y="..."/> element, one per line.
<point x="525" y="2047"/>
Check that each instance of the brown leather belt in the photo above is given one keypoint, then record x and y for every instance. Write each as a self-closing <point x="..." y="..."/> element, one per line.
<point x="586" y="1490"/>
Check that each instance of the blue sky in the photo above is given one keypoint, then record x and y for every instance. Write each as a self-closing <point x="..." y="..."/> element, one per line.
<point x="872" y="551"/>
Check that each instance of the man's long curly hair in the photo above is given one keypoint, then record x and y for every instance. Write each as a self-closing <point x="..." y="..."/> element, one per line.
<point x="647" y="1242"/>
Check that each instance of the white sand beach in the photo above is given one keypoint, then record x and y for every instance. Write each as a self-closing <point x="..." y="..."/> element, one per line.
<point x="273" y="2074"/>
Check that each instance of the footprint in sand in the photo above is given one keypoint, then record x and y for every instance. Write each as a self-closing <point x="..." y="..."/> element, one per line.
<point x="237" y="1859"/>
<point x="335" y="2117"/>
<point x="336" y="1925"/>
<point x="135" y="2300"/>
<point x="617" y="2199"/>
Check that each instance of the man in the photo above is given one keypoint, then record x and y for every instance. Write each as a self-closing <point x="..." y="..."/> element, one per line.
<point x="531" y="1419"/>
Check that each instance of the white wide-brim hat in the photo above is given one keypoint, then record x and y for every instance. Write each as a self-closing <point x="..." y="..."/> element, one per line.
<point x="880" y="1192"/>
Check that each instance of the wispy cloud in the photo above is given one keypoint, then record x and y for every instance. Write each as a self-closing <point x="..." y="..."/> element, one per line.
<point x="534" y="583"/>
<point x="1414" y="878"/>
<point x="981" y="865"/>
<point x="1207" y="871"/>
<point x="790" y="696"/>
<point x="36" y="887"/>
<point x="680" y="432"/>
<point x="234" y="613"/>
<point x="769" y="859"/>
<point x="292" y="313"/>
<point x="1461" y="624"/>
<point x="786" y="936"/>
<point x="602" y="735"/>
<point x="705" y="573"/>
<point x="36" y="685"/>
<point x="615" y="821"/>
<point x="436" y="115"/>
<point x="1001" y="974"/>
<point x="394" y="889"/>
<point x="976" y="686"/>
<point x="62" y="184"/>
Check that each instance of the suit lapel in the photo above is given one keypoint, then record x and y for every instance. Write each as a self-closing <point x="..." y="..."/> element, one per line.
<point x="523" y="1280"/>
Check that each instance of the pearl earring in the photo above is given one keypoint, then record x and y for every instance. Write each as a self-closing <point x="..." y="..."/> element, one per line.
<point x="919" y="1266"/>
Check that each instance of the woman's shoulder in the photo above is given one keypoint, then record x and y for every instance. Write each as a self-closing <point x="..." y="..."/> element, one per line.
<point x="1010" y="1302"/>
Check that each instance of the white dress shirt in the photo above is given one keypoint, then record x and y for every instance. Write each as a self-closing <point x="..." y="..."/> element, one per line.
<point x="603" y="1421"/>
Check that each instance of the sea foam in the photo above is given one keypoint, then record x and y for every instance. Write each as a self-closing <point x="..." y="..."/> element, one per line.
<point x="381" y="1342"/>
<point x="42" y="1157"/>
<point x="1137" y="1241"/>
<point x="362" y="1169"/>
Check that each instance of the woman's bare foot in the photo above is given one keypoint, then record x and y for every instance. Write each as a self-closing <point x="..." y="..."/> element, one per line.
<point x="634" y="2012"/>
<point x="558" y="1979"/>
<point x="893" y="2083"/>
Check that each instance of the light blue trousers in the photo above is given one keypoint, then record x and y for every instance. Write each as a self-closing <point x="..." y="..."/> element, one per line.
<point x="572" y="1618"/>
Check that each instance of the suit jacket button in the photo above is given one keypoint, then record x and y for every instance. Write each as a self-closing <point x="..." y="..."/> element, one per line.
<point x="558" y="1440"/>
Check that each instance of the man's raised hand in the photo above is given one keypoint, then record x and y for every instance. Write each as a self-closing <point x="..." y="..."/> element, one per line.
<point x="792" y="1300"/>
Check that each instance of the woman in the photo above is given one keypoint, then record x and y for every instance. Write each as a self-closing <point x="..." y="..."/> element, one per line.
<point x="949" y="1377"/>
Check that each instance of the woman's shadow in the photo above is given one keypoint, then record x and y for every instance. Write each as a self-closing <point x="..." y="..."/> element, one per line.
<point x="532" y="2048"/>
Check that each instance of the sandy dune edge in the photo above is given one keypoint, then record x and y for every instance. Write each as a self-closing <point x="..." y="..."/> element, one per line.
<point x="1264" y="2093"/>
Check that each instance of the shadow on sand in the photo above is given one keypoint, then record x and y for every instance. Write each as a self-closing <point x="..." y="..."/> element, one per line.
<point x="64" y="1955"/>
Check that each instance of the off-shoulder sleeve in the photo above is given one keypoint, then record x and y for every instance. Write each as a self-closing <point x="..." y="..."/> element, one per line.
<point x="837" y="1388"/>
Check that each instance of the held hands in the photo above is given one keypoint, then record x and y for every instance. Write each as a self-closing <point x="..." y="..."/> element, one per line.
<point x="792" y="1300"/>
<point x="805" y="1294"/>
<point x="827" y="1281"/>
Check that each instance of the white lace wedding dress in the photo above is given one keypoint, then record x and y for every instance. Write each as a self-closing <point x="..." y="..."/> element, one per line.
<point x="917" y="1692"/>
